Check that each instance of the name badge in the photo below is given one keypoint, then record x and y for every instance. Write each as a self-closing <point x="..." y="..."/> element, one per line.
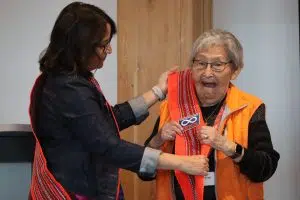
<point x="209" y="180"/>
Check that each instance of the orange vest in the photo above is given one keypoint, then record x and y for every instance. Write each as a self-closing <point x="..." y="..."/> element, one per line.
<point x="230" y="183"/>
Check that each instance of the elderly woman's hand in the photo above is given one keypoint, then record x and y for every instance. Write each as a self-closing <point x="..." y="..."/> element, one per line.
<point x="169" y="130"/>
<point x="166" y="133"/>
<point x="209" y="135"/>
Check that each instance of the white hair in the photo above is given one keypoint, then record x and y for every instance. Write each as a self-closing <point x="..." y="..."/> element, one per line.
<point x="219" y="37"/>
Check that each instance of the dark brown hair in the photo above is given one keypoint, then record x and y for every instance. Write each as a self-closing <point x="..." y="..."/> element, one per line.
<point x="78" y="30"/>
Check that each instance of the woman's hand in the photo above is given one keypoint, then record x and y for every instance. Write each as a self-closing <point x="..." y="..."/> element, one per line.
<point x="166" y="133"/>
<point x="163" y="79"/>
<point x="194" y="165"/>
<point x="209" y="135"/>
<point x="169" y="130"/>
<point x="159" y="91"/>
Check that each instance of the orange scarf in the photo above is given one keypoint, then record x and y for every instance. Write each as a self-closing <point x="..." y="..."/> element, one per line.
<point x="184" y="108"/>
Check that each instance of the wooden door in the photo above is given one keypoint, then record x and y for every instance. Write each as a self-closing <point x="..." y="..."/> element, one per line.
<point x="153" y="36"/>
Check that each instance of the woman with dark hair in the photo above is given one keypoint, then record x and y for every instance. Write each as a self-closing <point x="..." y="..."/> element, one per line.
<point x="78" y="149"/>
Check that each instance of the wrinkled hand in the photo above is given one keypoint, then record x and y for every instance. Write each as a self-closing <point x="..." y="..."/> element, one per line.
<point x="209" y="135"/>
<point x="163" y="79"/>
<point x="195" y="165"/>
<point x="169" y="130"/>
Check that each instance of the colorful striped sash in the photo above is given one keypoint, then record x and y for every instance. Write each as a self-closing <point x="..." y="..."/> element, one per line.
<point x="184" y="108"/>
<point x="43" y="184"/>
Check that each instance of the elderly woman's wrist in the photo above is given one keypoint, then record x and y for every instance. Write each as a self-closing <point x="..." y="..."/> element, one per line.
<point x="234" y="150"/>
<point x="229" y="148"/>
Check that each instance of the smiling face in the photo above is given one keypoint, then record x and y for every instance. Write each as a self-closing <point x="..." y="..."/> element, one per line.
<point x="211" y="85"/>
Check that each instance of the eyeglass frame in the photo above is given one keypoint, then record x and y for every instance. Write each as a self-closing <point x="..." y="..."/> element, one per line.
<point x="212" y="64"/>
<point x="104" y="46"/>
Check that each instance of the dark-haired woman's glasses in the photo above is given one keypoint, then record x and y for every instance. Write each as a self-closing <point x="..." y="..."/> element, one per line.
<point x="105" y="46"/>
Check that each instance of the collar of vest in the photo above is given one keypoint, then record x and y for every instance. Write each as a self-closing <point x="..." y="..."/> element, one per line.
<point x="233" y="104"/>
<point x="235" y="98"/>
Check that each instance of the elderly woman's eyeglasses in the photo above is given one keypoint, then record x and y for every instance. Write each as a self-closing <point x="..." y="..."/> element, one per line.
<point x="217" y="66"/>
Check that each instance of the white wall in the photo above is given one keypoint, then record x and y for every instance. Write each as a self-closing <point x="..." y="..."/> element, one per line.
<point x="25" y="32"/>
<point x="269" y="32"/>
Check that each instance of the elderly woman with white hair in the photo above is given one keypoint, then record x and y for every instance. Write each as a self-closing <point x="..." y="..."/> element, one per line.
<point x="208" y="115"/>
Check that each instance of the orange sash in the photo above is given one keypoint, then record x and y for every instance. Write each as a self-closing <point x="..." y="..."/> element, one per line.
<point x="184" y="108"/>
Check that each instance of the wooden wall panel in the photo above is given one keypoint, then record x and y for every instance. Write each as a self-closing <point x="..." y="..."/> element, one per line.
<point x="196" y="17"/>
<point x="127" y="62"/>
<point x="153" y="36"/>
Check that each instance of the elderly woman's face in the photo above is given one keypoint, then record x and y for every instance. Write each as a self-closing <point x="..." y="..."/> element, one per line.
<point x="212" y="80"/>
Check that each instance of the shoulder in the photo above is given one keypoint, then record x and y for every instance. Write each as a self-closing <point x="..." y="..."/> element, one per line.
<point x="70" y="93"/>
<point x="245" y="97"/>
<point x="164" y="104"/>
<point x="69" y="85"/>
